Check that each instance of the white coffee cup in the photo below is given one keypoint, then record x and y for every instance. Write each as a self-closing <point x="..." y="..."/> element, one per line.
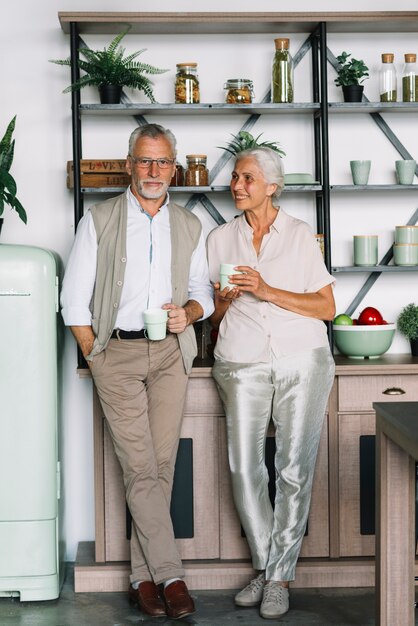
<point x="155" y="322"/>
<point x="225" y="271"/>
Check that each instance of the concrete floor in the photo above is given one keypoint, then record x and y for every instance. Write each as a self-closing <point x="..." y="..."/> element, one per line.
<point x="313" y="607"/>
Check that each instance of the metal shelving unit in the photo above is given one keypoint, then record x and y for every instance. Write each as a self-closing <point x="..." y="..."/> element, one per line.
<point x="316" y="25"/>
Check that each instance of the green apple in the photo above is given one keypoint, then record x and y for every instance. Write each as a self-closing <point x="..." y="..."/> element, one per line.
<point x="343" y="320"/>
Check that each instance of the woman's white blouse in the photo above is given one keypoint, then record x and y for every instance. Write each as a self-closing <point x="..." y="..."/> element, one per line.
<point x="290" y="259"/>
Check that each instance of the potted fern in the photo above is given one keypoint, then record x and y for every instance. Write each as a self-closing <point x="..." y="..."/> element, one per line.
<point x="408" y="325"/>
<point x="8" y="187"/>
<point x="110" y="70"/>
<point x="351" y="72"/>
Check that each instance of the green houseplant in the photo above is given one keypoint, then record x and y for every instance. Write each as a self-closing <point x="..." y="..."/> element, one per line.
<point x="8" y="187"/>
<point x="245" y="141"/>
<point x="350" y="73"/>
<point x="408" y="325"/>
<point x="110" y="70"/>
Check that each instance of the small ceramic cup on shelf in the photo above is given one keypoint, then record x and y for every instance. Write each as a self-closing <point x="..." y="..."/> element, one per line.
<point x="365" y="249"/>
<point x="360" y="171"/>
<point x="405" y="171"/>
<point x="405" y="253"/>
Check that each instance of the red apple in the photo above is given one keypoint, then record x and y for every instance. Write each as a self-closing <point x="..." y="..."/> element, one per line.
<point x="370" y="317"/>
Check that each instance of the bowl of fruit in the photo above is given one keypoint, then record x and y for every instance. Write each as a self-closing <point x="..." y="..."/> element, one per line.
<point x="367" y="337"/>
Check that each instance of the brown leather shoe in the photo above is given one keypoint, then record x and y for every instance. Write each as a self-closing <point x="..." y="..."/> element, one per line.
<point x="177" y="600"/>
<point x="148" y="598"/>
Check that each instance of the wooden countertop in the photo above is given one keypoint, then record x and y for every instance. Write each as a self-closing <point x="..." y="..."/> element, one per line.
<point x="386" y="364"/>
<point x="399" y="421"/>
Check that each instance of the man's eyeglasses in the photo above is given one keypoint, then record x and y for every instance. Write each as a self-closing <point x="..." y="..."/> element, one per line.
<point x="145" y="163"/>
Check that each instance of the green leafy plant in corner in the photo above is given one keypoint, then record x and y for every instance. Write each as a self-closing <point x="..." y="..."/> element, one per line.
<point x="8" y="187"/>
<point x="245" y="141"/>
<point x="350" y="72"/>
<point x="110" y="66"/>
<point x="408" y="321"/>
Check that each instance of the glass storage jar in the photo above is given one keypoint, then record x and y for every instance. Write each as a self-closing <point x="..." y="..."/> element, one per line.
<point x="282" y="72"/>
<point x="187" y="84"/>
<point x="196" y="174"/>
<point x="178" y="176"/>
<point x="388" y="87"/>
<point x="239" y="91"/>
<point x="410" y="79"/>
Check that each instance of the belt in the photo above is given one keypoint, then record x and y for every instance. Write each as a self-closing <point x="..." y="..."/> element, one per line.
<point x="128" y="334"/>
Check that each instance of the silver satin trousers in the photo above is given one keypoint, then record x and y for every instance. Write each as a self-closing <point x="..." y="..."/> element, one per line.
<point x="292" y="391"/>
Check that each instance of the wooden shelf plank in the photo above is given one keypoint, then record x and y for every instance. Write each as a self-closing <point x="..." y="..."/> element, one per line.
<point x="235" y="22"/>
<point x="373" y="107"/>
<point x="134" y="108"/>
<point x="374" y="187"/>
<point x="374" y="268"/>
<point x="202" y="190"/>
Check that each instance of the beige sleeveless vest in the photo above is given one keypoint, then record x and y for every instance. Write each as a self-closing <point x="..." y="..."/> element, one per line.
<point x="110" y="221"/>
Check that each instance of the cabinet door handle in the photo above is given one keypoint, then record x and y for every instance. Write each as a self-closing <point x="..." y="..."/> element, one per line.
<point x="394" y="391"/>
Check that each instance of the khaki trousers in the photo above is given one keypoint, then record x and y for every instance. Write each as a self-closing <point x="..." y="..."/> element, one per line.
<point x="142" y="387"/>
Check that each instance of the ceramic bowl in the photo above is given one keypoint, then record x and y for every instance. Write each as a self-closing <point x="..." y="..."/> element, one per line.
<point x="299" y="179"/>
<point x="361" y="342"/>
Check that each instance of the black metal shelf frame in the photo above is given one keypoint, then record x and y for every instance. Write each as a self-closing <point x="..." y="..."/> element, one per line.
<point x="320" y="109"/>
<point x="253" y="113"/>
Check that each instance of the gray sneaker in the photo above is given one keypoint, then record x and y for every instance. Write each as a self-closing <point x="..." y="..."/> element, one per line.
<point x="275" y="600"/>
<point x="252" y="594"/>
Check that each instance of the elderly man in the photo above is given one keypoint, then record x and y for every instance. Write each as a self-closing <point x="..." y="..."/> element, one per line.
<point x="133" y="252"/>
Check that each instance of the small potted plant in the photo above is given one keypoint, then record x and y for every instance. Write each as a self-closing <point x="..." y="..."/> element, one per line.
<point x="245" y="141"/>
<point x="351" y="72"/>
<point x="408" y="325"/>
<point x="110" y="70"/>
<point x="8" y="187"/>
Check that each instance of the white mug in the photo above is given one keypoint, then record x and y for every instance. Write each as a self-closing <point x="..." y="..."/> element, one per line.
<point x="225" y="271"/>
<point x="155" y="322"/>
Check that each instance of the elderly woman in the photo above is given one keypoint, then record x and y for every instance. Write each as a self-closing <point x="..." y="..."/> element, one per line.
<point x="272" y="362"/>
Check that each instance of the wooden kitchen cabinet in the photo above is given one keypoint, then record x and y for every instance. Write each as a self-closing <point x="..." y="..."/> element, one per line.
<point x="392" y="378"/>
<point x="338" y="548"/>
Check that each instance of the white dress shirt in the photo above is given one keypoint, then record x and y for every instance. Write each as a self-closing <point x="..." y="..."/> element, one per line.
<point x="147" y="281"/>
<point x="290" y="259"/>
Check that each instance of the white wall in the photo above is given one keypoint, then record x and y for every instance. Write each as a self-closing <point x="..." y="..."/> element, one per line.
<point x="30" y="35"/>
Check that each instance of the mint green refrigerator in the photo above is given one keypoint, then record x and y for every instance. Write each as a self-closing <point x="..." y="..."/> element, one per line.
<point x="31" y="549"/>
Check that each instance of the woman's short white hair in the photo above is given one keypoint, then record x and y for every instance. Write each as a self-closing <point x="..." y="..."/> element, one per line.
<point x="271" y="164"/>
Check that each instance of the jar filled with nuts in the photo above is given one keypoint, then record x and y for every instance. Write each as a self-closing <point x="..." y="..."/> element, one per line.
<point x="197" y="173"/>
<point x="187" y="84"/>
<point x="239" y="91"/>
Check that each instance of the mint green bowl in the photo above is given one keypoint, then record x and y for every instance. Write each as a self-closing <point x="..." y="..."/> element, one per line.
<point x="363" y="342"/>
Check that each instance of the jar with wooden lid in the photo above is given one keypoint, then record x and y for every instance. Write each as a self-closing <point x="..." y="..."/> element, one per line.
<point x="196" y="174"/>
<point x="282" y="72"/>
<point x="187" y="84"/>
<point x="239" y="91"/>
<point x="410" y="79"/>
<point x="388" y="87"/>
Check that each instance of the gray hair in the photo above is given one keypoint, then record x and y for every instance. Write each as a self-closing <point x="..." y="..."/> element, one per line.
<point x="271" y="164"/>
<point x="154" y="131"/>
